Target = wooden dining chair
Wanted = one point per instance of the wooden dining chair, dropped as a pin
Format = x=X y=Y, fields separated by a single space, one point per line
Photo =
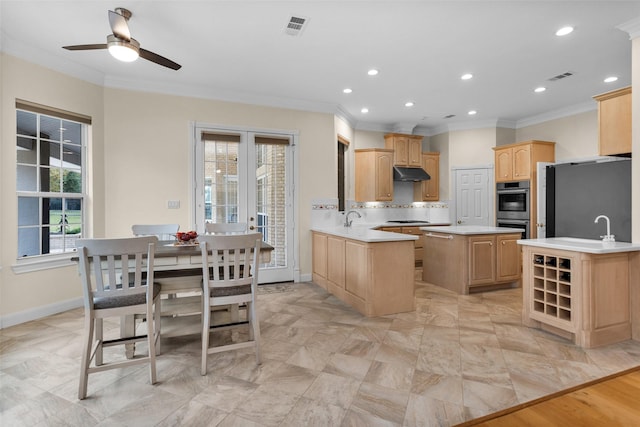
x=230 y=277
x=162 y=231
x=222 y=227
x=103 y=264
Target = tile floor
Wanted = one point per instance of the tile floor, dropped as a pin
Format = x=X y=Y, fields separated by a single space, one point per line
x=453 y=359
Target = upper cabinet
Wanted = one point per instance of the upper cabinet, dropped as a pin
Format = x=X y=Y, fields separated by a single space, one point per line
x=374 y=175
x=614 y=122
x=429 y=190
x=407 y=149
x=517 y=162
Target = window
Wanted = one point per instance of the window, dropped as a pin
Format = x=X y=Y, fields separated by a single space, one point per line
x=49 y=183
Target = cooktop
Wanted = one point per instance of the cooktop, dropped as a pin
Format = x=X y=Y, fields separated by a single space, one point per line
x=407 y=221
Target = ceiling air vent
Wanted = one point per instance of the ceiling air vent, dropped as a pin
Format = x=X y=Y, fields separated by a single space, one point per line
x=449 y=116
x=295 y=25
x=561 y=76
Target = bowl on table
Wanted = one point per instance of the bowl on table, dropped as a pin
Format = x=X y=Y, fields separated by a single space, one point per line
x=186 y=238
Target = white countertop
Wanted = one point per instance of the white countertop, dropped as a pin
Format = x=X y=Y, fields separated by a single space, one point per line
x=365 y=233
x=471 y=229
x=581 y=245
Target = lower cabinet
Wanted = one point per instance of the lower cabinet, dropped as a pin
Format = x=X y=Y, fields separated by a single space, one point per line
x=418 y=244
x=463 y=263
x=580 y=296
x=374 y=278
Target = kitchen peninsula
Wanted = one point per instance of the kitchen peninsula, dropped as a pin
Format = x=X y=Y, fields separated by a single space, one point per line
x=467 y=258
x=371 y=270
x=580 y=289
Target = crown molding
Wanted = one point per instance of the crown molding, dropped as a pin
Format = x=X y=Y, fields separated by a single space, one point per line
x=631 y=27
x=558 y=114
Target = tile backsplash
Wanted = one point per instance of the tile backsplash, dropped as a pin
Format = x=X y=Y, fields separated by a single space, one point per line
x=324 y=212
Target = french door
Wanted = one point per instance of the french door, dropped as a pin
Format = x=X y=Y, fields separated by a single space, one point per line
x=246 y=176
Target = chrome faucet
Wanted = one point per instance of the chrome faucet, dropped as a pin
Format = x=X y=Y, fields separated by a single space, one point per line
x=608 y=237
x=347 y=221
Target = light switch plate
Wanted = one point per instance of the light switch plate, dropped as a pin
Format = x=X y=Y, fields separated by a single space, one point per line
x=173 y=204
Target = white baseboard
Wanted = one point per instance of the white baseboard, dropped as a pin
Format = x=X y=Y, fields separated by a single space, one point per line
x=39 y=312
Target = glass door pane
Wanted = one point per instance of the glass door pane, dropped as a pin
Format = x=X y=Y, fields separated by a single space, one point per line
x=221 y=181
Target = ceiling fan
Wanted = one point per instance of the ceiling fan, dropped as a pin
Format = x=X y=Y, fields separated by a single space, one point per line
x=121 y=45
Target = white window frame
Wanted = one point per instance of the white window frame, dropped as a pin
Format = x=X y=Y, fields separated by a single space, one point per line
x=59 y=259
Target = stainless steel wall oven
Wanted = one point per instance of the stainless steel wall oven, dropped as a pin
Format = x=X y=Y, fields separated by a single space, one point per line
x=513 y=206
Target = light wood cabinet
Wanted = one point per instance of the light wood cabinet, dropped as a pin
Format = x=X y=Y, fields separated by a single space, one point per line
x=374 y=175
x=580 y=296
x=418 y=244
x=429 y=190
x=517 y=162
x=378 y=276
x=407 y=149
x=614 y=122
x=464 y=263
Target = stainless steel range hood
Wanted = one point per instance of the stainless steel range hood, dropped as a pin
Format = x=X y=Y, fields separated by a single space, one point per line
x=409 y=174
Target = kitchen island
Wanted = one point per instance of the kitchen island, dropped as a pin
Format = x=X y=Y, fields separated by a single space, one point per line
x=371 y=270
x=468 y=258
x=581 y=289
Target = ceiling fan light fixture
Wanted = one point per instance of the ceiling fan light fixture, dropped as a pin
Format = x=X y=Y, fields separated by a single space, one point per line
x=122 y=50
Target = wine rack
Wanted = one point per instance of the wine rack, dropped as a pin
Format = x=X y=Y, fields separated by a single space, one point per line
x=552 y=286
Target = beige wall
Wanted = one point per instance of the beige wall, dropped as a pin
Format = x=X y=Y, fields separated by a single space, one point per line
x=471 y=147
x=575 y=136
x=22 y=80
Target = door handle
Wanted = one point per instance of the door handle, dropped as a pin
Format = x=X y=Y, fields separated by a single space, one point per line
x=459 y=221
x=252 y=228
x=251 y=219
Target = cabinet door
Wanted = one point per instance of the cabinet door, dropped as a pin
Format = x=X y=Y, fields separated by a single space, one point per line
x=319 y=254
x=508 y=257
x=384 y=177
x=401 y=150
x=504 y=164
x=614 y=122
x=335 y=260
x=431 y=187
x=521 y=162
x=482 y=260
x=414 y=155
x=356 y=268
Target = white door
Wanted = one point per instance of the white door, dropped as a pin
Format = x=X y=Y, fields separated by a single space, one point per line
x=541 y=200
x=246 y=176
x=474 y=196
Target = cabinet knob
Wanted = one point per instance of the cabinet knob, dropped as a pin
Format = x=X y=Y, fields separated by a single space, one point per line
x=490 y=243
x=503 y=243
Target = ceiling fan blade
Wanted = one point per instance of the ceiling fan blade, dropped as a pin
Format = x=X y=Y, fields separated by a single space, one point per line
x=160 y=60
x=85 y=47
x=119 y=26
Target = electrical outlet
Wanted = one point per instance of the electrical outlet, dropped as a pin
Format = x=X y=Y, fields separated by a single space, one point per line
x=173 y=204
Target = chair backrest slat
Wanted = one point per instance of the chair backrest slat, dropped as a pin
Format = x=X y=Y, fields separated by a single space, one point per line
x=161 y=231
x=117 y=266
x=230 y=260
x=229 y=227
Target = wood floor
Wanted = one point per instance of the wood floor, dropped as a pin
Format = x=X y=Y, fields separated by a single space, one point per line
x=609 y=401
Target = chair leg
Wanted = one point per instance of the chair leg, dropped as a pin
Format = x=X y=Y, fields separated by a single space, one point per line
x=255 y=330
x=151 y=340
x=86 y=355
x=99 y=331
x=156 y=321
x=206 y=321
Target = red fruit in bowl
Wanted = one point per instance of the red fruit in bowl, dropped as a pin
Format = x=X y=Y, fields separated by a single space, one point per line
x=185 y=237
x=192 y=234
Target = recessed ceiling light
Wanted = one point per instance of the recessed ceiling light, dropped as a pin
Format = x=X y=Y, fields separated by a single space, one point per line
x=466 y=76
x=540 y=89
x=409 y=104
x=610 y=79
x=347 y=90
x=372 y=72
x=472 y=112
x=564 y=31
x=364 y=110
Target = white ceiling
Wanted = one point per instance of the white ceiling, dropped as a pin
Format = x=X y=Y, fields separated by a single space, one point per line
x=238 y=51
